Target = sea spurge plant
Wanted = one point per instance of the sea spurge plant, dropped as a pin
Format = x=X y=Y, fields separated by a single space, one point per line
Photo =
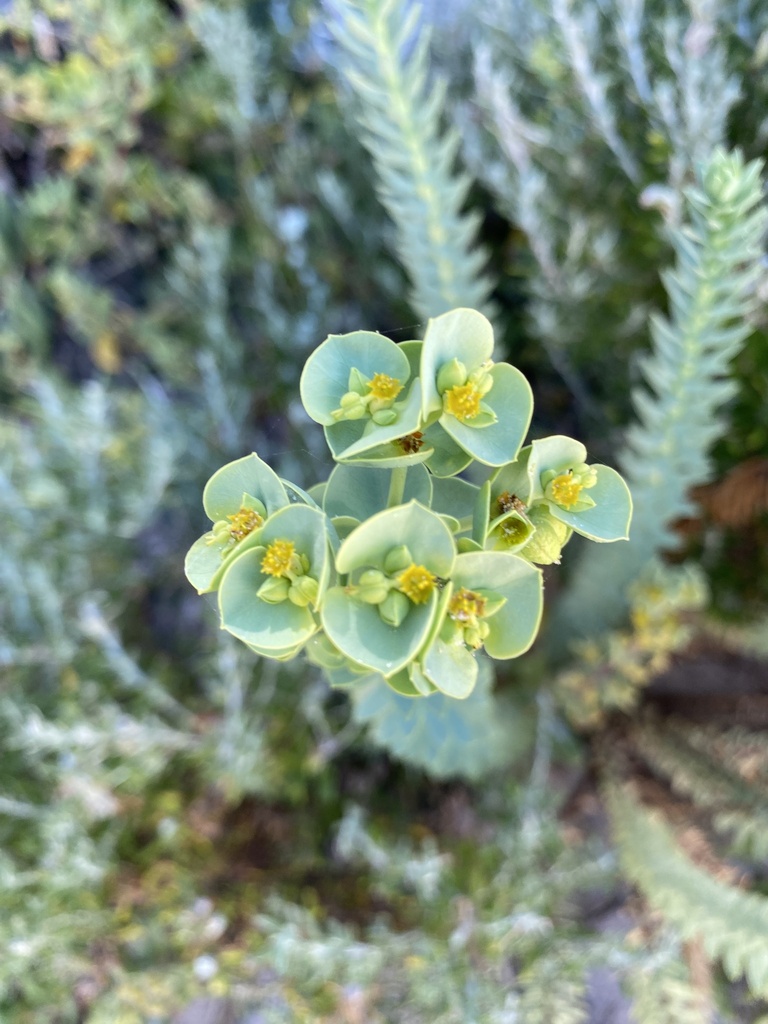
x=397 y=571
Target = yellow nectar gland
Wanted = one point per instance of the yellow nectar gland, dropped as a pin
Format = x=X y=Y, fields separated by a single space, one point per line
x=417 y=583
x=243 y=522
x=278 y=557
x=462 y=401
x=384 y=388
x=466 y=606
x=565 y=490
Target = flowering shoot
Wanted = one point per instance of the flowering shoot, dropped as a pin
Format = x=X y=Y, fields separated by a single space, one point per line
x=395 y=570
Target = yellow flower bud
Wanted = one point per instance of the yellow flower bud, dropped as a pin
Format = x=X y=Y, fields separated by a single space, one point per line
x=280 y=558
x=384 y=388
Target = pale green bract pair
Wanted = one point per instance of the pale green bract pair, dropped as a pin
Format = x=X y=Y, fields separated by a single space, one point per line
x=396 y=567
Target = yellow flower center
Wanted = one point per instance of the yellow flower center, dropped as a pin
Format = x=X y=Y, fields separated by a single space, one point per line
x=243 y=522
x=462 y=401
x=384 y=388
x=565 y=490
x=466 y=605
x=278 y=557
x=417 y=583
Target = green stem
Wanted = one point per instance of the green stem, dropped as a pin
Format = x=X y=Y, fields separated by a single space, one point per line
x=396 y=487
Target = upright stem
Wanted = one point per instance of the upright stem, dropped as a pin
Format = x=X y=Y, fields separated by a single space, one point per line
x=396 y=486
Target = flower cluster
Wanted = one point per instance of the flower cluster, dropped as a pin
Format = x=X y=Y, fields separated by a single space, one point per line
x=397 y=566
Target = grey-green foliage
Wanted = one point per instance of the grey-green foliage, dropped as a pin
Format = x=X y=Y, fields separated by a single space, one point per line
x=238 y=54
x=82 y=472
x=49 y=914
x=664 y=995
x=554 y=992
x=458 y=971
x=611 y=107
x=737 y=806
x=88 y=719
x=91 y=451
x=384 y=57
x=446 y=737
x=284 y=284
x=596 y=71
x=711 y=293
x=731 y=924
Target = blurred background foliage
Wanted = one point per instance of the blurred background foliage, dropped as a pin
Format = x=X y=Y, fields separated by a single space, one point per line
x=187 y=208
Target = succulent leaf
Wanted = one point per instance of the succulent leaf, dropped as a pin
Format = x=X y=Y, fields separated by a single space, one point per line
x=428 y=539
x=358 y=630
x=447 y=458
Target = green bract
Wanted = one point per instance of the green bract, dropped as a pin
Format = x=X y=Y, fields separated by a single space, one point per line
x=484 y=407
x=395 y=572
x=558 y=460
x=496 y=603
x=238 y=499
x=447 y=458
x=359 y=492
x=359 y=387
x=269 y=594
x=383 y=628
x=535 y=503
